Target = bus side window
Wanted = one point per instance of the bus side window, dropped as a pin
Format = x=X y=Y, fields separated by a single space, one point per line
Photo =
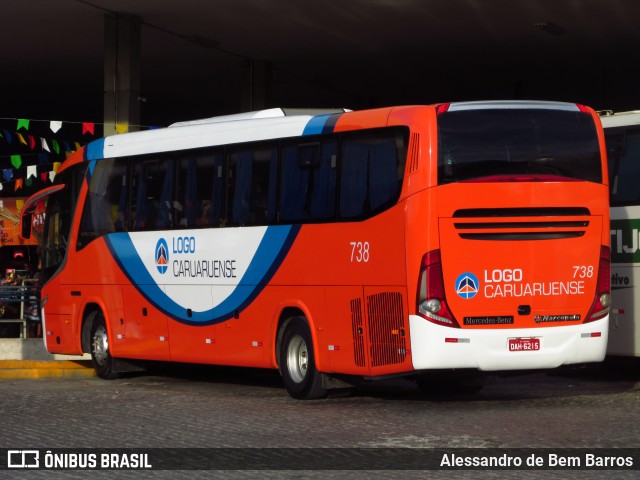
x=151 y=195
x=187 y=196
x=353 y=179
x=369 y=176
x=251 y=185
x=308 y=182
x=213 y=213
x=165 y=204
x=626 y=189
x=324 y=183
x=104 y=205
x=383 y=174
x=199 y=196
x=294 y=185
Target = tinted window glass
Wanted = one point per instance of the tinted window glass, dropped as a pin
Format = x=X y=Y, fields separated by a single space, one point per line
x=624 y=167
x=308 y=181
x=372 y=166
x=199 y=196
x=482 y=143
x=105 y=204
x=151 y=196
x=59 y=213
x=251 y=183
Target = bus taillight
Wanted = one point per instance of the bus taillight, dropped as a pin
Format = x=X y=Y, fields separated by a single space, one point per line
x=442 y=108
x=602 y=302
x=432 y=303
x=582 y=108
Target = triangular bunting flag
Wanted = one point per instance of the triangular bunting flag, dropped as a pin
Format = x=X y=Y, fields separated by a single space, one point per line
x=44 y=145
x=23 y=123
x=7 y=174
x=55 y=125
x=56 y=147
x=32 y=171
x=18 y=185
x=8 y=136
x=52 y=175
x=88 y=128
x=32 y=142
x=56 y=166
x=21 y=138
x=16 y=161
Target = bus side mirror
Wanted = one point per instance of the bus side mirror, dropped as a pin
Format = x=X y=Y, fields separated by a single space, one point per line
x=25 y=225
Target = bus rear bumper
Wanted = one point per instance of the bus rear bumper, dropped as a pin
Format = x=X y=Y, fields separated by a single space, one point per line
x=437 y=347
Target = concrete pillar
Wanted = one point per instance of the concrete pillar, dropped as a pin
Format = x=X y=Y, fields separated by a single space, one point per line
x=256 y=85
x=121 y=73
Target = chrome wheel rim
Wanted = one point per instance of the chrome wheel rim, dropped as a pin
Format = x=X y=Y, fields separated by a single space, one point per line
x=297 y=359
x=100 y=345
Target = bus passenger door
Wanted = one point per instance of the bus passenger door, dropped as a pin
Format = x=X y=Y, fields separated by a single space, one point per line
x=146 y=334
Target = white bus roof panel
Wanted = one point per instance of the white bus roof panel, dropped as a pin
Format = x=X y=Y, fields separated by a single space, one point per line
x=621 y=119
x=198 y=135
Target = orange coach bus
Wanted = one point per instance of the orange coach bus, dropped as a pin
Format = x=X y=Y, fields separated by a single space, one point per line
x=336 y=246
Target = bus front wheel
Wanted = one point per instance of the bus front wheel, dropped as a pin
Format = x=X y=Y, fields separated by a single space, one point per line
x=100 y=355
x=298 y=368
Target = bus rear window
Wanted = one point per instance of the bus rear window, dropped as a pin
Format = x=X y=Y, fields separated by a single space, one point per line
x=492 y=142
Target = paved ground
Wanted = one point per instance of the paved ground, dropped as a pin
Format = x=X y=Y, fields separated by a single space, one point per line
x=226 y=407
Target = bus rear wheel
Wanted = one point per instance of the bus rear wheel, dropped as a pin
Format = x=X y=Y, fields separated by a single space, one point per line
x=298 y=368
x=100 y=355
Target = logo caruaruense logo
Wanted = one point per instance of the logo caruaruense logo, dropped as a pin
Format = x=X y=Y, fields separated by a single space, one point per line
x=467 y=285
x=162 y=255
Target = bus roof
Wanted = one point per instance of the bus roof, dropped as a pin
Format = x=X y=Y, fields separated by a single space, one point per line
x=610 y=119
x=225 y=130
x=269 y=113
x=261 y=125
x=517 y=104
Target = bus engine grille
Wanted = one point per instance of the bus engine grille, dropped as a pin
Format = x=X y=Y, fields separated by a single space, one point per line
x=385 y=329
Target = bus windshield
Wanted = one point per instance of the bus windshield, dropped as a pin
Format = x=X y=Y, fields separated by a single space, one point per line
x=59 y=213
x=489 y=142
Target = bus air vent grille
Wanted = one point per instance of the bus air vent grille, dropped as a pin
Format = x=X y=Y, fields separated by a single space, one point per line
x=386 y=328
x=521 y=223
x=414 y=152
x=358 y=333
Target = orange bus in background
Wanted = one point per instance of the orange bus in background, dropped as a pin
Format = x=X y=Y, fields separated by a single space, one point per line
x=336 y=246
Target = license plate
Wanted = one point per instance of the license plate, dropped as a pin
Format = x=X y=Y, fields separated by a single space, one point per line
x=524 y=344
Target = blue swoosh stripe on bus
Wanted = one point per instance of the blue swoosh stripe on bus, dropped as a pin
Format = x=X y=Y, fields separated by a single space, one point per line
x=95 y=150
x=330 y=125
x=317 y=125
x=270 y=253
